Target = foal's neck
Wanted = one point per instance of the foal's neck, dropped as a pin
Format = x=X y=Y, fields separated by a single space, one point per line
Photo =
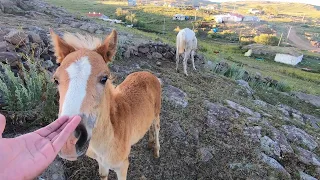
x=103 y=132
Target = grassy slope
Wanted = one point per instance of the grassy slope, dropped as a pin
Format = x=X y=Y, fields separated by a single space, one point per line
x=154 y=17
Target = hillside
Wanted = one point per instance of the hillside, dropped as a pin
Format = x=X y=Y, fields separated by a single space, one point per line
x=214 y=124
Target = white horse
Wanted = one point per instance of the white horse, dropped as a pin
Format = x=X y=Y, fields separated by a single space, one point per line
x=187 y=44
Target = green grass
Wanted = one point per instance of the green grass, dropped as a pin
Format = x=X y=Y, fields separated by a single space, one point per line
x=153 y=18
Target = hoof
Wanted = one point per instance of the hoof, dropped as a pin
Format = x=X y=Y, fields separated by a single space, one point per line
x=156 y=154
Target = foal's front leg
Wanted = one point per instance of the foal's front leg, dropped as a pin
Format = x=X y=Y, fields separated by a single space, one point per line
x=103 y=171
x=122 y=170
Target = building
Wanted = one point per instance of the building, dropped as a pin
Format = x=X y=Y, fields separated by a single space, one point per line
x=250 y=19
x=179 y=17
x=288 y=59
x=231 y=17
x=254 y=11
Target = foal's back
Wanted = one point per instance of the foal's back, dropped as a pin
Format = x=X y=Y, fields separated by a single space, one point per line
x=137 y=104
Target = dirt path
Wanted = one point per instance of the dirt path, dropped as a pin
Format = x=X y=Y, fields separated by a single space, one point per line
x=300 y=42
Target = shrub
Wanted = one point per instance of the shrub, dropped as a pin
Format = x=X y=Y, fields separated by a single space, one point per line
x=266 y=39
x=31 y=95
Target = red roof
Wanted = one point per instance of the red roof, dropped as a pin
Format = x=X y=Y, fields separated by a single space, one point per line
x=94 y=14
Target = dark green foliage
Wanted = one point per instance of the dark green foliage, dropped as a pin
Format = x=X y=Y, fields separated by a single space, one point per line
x=30 y=95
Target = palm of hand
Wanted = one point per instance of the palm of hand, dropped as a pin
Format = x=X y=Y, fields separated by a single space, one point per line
x=28 y=155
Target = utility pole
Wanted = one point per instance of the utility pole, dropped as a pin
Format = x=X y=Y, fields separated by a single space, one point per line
x=289 y=33
x=280 y=39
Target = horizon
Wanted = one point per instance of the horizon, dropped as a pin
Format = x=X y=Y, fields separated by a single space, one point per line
x=312 y=2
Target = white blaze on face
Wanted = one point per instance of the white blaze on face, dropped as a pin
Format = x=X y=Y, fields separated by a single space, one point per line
x=79 y=73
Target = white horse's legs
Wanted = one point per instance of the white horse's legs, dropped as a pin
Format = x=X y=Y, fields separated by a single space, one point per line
x=177 y=61
x=192 y=58
x=186 y=56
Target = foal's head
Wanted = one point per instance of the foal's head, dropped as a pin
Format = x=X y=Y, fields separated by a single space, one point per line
x=81 y=78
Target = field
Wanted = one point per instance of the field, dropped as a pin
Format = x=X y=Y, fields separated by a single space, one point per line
x=214 y=124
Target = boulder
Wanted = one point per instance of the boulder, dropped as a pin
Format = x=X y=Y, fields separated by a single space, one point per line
x=311 y=120
x=281 y=139
x=11 y=57
x=274 y=164
x=304 y=176
x=16 y=37
x=270 y=147
x=55 y=171
x=312 y=99
x=246 y=86
x=242 y=109
x=5 y=46
x=156 y=55
x=204 y=154
x=177 y=131
x=253 y=133
x=307 y=157
x=92 y=29
x=297 y=135
x=84 y=27
x=175 y=95
x=34 y=37
x=221 y=67
x=75 y=24
x=143 y=50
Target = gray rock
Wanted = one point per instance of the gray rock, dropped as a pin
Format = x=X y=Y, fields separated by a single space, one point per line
x=221 y=67
x=75 y=24
x=270 y=147
x=300 y=136
x=274 y=164
x=16 y=37
x=307 y=157
x=99 y=31
x=175 y=95
x=168 y=55
x=5 y=46
x=35 y=38
x=258 y=76
x=47 y=64
x=156 y=55
x=242 y=109
x=11 y=57
x=253 y=133
x=204 y=154
x=55 y=171
x=312 y=99
x=84 y=27
x=143 y=50
x=304 y=176
x=91 y=29
x=246 y=86
x=158 y=63
x=177 y=131
x=311 y=120
x=209 y=65
x=281 y=139
x=260 y=103
x=218 y=116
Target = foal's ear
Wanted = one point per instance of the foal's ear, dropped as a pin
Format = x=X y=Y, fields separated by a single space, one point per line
x=61 y=48
x=109 y=47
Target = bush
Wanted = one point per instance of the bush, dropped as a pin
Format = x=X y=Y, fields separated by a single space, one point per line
x=267 y=39
x=31 y=95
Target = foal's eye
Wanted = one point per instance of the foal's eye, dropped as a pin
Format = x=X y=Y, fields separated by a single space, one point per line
x=56 y=81
x=104 y=79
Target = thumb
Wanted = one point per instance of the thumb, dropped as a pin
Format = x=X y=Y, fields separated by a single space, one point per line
x=2 y=124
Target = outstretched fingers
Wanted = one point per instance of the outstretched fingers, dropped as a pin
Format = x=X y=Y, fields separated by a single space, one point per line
x=45 y=131
x=65 y=133
x=2 y=124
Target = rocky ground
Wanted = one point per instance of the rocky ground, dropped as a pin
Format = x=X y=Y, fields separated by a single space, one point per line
x=211 y=127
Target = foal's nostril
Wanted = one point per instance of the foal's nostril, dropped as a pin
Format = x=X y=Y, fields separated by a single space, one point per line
x=81 y=134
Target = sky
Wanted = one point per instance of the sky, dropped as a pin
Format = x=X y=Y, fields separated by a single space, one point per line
x=313 y=2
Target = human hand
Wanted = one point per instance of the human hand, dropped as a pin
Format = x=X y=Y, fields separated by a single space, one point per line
x=27 y=156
